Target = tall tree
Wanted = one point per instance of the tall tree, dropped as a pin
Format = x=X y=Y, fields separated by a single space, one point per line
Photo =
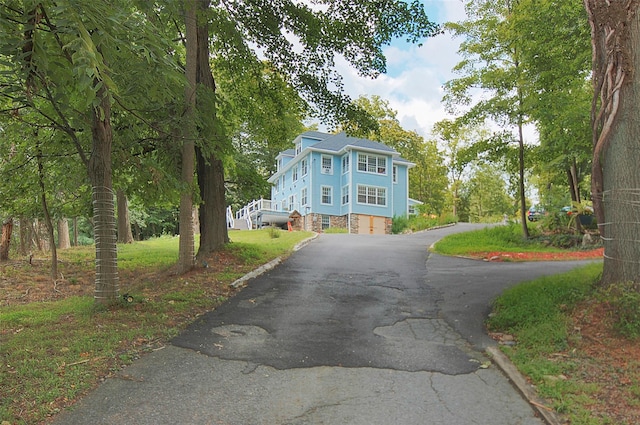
x=186 y=254
x=556 y=53
x=492 y=62
x=210 y=167
x=60 y=56
x=615 y=29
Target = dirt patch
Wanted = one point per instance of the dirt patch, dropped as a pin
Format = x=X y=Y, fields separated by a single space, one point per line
x=501 y=256
x=605 y=358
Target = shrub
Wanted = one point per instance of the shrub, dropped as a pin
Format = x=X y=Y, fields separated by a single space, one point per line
x=399 y=224
x=274 y=232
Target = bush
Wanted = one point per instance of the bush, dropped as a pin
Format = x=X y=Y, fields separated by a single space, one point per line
x=399 y=224
x=274 y=232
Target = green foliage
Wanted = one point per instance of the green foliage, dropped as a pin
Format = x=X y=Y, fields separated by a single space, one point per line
x=536 y=314
x=624 y=299
x=274 y=232
x=399 y=224
x=422 y=221
x=335 y=230
x=495 y=238
x=541 y=303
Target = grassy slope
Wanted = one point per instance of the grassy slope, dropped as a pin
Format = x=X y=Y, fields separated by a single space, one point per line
x=52 y=352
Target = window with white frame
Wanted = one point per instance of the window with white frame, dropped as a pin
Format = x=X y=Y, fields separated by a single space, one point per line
x=395 y=174
x=304 y=165
x=345 y=195
x=327 y=195
x=298 y=148
x=283 y=186
x=284 y=205
x=372 y=195
x=303 y=196
x=326 y=222
x=294 y=173
x=277 y=185
x=345 y=164
x=292 y=202
x=372 y=163
x=327 y=164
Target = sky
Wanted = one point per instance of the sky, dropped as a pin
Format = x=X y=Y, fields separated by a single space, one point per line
x=415 y=74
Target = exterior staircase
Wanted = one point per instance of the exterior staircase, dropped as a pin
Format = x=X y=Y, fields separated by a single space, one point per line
x=255 y=215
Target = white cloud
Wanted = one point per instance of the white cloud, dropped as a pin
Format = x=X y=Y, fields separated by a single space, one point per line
x=415 y=74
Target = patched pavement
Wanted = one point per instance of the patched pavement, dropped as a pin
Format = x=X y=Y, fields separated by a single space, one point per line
x=349 y=330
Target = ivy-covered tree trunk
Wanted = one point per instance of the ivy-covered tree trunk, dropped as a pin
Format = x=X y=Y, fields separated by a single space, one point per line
x=104 y=224
x=616 y=125
x=213 y=223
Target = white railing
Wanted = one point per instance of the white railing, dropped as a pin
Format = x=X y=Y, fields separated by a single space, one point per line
x=250 y=211
x=230 y=221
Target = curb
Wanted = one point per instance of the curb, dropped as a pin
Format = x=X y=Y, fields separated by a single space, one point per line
x=270 y=265
x=526 y=389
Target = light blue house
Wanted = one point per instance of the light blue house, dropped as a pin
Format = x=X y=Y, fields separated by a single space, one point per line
x=334 y=180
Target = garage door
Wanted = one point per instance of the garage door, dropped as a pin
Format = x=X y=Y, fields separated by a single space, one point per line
x=371 y=225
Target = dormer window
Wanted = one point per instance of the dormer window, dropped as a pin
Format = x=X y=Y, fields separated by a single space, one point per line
x=298 y=148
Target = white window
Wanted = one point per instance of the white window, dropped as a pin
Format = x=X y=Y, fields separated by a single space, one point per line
x=284 y=205
x=327 y=195
x=372 y=163
x=327 y=164
x=292 y=202
x=295 y=173
x=303 y=196
x=278 y=185
x=395 y=174
x=298 y=148
x=304 y=164
x=372 y=195
x=283 y=181
x=345 y=164
x=326 y=222
x=345 y=195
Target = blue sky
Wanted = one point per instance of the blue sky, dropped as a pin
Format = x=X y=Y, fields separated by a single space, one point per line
x=415 y=75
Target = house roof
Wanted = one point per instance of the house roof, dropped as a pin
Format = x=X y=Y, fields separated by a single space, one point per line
x=337 y=142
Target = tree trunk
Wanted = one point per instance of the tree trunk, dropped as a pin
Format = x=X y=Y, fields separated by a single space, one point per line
x=64 y=242
x=616 y=125
x=104 y=226
x=186 y=252
x=25 y=236
x=213 y=223
x=5 y=241
x=574 y=192
x=125 y=235
x=523 y=203
x=75 y=231
x=47 y=216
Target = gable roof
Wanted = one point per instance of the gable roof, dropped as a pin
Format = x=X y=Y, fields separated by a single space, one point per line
x=338 y=142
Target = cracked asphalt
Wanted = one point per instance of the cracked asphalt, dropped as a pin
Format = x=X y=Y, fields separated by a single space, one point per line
x=348 y=330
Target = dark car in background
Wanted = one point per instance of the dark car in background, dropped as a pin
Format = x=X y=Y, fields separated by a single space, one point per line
x=535 y=213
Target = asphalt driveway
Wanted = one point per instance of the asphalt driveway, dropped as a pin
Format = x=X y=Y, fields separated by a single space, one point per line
x=348 y=330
